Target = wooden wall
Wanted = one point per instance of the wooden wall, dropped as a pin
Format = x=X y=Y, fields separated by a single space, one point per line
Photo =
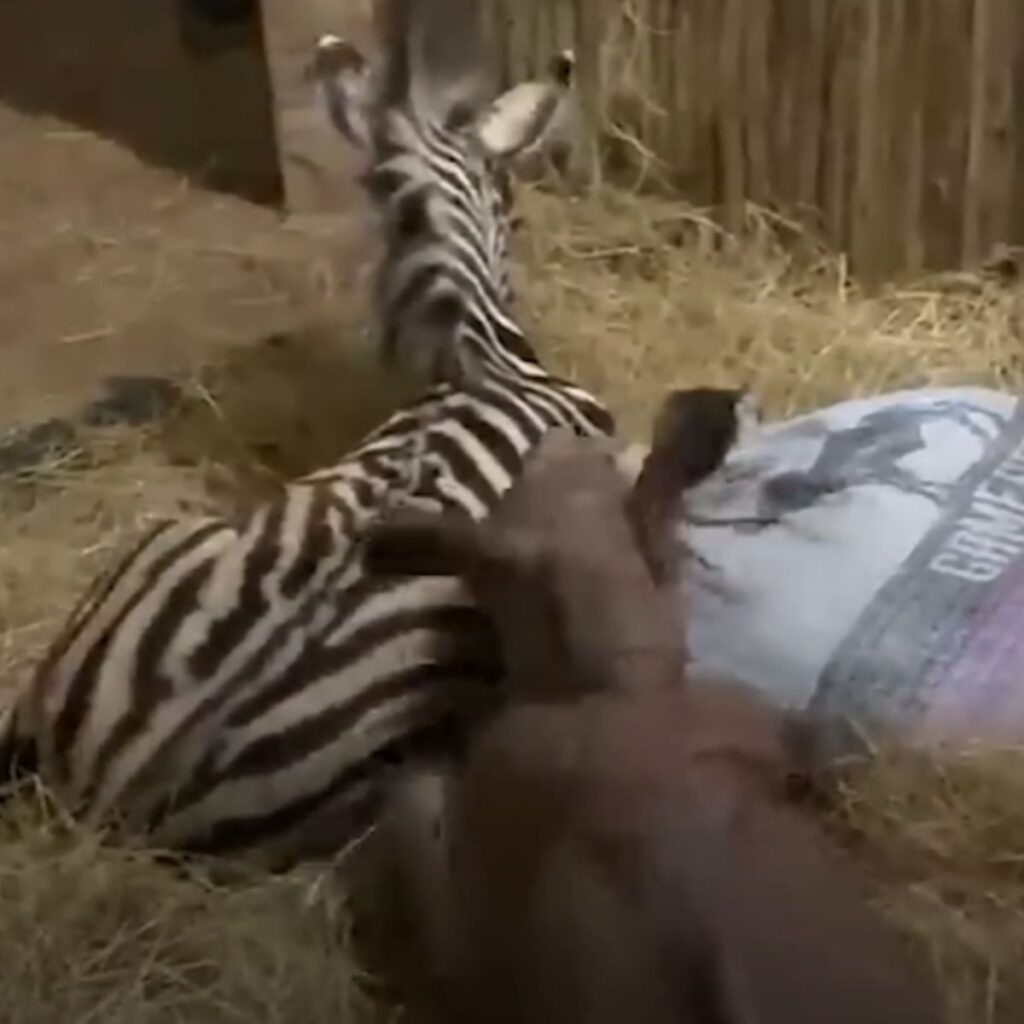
x=893 y=126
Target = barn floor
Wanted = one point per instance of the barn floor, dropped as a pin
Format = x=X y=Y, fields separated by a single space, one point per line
x=115 y=255
x=118 y=258
x=110 y=266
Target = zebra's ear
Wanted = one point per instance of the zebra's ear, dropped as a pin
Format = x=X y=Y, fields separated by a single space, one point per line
x=342 y=76
x=529 y=115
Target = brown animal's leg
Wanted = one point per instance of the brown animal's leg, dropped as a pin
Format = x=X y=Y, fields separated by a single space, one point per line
x=594 y=959
x=414 y=847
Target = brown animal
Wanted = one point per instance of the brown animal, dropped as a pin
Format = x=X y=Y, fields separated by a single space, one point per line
x=621 y=845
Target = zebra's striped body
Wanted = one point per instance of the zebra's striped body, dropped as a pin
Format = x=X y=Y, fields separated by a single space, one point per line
x=244 y=689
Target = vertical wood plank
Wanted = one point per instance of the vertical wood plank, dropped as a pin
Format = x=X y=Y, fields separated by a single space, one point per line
x=866 y=183
x=838 y=133
x=811 y=103
x=895 y=93
x=1015 y=229
x=589 y=44
x=682 y=129
x=665 y=55
x=998 y=198
x=944 y=134
x=730 y=118
x=915 y=170
x=756 y=86
x=792 y=40
x=703 y=178
x=784 y=41
x=974 y=174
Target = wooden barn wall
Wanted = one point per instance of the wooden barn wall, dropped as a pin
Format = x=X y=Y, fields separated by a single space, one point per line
x=892 y=126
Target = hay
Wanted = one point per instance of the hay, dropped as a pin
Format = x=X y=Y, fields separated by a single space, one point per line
x=97 y=934
x=631 y=297
x=943 y=839
x=847 y=114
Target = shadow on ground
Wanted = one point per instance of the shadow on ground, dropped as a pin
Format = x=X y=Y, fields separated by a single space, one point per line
x=267 y=413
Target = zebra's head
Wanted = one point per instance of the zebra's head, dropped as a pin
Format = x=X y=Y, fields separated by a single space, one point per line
x=438 y=151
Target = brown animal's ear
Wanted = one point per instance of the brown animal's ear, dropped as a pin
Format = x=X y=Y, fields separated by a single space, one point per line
x=693 y=432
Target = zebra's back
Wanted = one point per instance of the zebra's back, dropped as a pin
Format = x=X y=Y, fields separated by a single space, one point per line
x=248 y=688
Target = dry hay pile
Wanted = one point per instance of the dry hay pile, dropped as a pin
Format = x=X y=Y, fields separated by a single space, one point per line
x=944 y=841
x=97 y=934
x=631 y=297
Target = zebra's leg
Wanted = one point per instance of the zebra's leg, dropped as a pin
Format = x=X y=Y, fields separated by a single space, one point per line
x=19 y=754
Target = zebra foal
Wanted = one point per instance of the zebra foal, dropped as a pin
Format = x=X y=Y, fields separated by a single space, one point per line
x=247 y=688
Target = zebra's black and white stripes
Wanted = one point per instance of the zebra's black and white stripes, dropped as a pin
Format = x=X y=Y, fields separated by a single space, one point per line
x=237 y=688
x=437 y=169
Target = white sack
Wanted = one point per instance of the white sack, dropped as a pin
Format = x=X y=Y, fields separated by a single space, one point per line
x=886 y=582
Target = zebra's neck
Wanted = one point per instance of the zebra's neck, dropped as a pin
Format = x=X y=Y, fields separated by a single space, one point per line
x=445 y=299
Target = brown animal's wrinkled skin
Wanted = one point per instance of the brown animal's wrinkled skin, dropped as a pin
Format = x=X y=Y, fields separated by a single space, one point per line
x=629 y=853
x=620 y=845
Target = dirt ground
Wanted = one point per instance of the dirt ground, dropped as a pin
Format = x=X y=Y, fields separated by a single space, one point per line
x=138 y=233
